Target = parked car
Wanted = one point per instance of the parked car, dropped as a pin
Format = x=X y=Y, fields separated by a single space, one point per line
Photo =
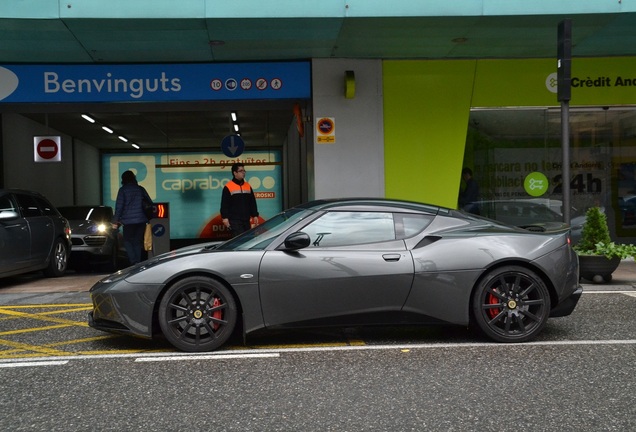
x=33 y=235
x=347 y=262
x=94 y=239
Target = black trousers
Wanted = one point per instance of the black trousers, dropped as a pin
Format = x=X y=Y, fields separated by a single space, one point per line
x=238 y=226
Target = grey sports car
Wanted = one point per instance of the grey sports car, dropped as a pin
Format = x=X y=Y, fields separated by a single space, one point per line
x=347 y=262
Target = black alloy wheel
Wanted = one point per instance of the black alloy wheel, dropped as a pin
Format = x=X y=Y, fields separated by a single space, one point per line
x=197 y=314
x=58 y=261
x=511 y=304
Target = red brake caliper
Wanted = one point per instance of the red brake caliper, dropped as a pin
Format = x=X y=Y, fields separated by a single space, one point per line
x=491 y=299
x=216 y=314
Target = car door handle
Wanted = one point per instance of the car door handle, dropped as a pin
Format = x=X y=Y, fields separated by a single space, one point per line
x=391 y=257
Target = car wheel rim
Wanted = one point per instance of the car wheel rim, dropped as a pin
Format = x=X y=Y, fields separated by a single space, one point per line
x=196 y=315
x=513 y=305
x=60 y=257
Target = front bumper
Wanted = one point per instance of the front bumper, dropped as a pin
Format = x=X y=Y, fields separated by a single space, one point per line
x=121 y=307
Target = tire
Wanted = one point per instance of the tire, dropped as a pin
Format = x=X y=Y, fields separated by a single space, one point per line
x=516 y=313
x=197 y=314
x=58 y=261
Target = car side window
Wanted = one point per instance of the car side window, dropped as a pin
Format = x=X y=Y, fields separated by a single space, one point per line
x=7 y=204
x=46 y=207
x=407 y=224
x=28 y=206
x=344 y=228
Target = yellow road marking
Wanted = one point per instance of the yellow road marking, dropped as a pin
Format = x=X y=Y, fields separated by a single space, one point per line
x=5 y=311
x=89 y=339
x=30 y=330
x=23 y=350
x=45 y=306
x=36 y=348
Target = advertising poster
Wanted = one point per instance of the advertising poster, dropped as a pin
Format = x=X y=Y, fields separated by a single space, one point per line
x=192 y=182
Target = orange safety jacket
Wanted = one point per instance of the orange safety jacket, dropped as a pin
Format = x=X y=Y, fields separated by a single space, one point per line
x=238 y=201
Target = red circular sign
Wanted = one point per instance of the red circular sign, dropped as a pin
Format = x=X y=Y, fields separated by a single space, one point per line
x=325 y=126
x=47 y=149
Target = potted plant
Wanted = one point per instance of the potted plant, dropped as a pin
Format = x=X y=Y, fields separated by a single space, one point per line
x=598 y=255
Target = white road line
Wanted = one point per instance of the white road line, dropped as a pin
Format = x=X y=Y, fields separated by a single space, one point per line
x=33 y=363
x=629 y=293
x=205 y=357
x=275 y=352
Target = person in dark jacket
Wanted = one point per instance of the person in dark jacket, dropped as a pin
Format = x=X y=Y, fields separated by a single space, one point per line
x=470 y=195
x=238 y=203
x=130 y=212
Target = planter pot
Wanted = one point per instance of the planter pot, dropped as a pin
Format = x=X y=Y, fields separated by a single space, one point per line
x=597 y=268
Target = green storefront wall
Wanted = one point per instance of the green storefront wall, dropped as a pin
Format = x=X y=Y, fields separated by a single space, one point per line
x=427 y=106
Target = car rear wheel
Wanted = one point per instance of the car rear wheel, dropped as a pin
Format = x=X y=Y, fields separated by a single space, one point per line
x=197 y=314
x=58 y=261
x=511 y=304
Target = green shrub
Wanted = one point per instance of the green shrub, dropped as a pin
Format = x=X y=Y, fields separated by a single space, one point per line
x=595 y=238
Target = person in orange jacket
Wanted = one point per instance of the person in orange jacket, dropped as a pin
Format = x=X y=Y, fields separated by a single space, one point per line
x=238 y=203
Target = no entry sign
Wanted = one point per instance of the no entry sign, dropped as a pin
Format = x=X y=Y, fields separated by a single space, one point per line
x=47 y=149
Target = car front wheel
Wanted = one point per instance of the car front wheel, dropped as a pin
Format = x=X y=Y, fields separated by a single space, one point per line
x=197 y=314
x=511 y=304
x=58 y=261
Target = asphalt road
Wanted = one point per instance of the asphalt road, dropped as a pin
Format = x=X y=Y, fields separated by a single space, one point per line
x=58 y=375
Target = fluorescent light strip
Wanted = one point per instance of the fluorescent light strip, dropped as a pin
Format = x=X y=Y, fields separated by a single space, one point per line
x=107 y=129
x=123 y=138
x=88 y=118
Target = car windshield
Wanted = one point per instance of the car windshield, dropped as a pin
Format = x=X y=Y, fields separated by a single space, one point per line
x=260 y=237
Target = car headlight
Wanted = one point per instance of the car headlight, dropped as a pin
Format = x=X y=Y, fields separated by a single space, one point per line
x=101 y=228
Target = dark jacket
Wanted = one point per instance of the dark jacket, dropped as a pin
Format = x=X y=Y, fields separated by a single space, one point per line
x=238 y=201
x=129 y=204
x=469 y=196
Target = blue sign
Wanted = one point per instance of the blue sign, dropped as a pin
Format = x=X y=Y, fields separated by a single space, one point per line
x=232 y=146
x=154 y=82
x=158 y=230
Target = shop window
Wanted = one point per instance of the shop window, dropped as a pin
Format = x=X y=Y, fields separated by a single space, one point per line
x=504 y=146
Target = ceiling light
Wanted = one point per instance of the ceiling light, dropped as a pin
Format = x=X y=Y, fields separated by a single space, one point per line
x=233 y=116
x=88 y=118
x=123 y=138
x=236 y=128
x=107 y=129
x=135 y=146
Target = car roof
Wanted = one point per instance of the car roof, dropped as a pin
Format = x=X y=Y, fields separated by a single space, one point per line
x=21 y=191
x=369 y=204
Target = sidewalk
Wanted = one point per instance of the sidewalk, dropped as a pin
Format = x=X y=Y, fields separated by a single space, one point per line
x=32 y=283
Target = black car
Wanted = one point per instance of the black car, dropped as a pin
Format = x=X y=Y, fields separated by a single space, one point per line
x=33 y=234
x=94 y=239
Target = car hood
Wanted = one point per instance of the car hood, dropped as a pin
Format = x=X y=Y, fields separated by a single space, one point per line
x=84 y=226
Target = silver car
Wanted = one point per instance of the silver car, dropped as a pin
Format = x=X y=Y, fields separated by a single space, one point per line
x=94 y=239
x=33 y=235
x=347 y=262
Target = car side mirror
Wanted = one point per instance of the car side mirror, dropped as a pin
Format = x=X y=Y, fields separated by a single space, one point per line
x=297 y=240
x=8 y=215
